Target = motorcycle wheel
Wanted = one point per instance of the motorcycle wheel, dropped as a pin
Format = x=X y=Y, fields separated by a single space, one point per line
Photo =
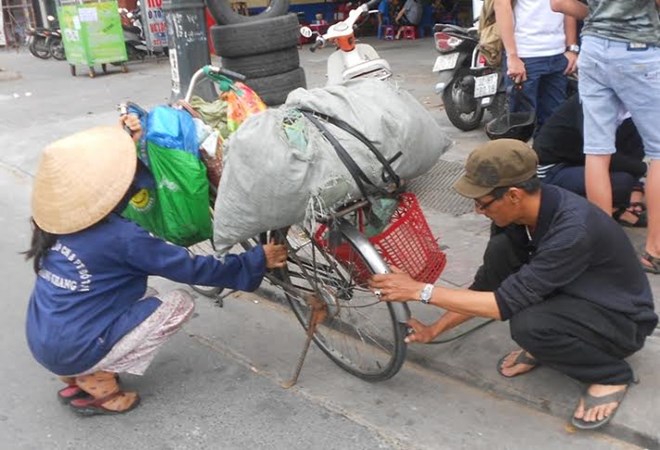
x=57 y=50
x=39 y=49
x=461 y=107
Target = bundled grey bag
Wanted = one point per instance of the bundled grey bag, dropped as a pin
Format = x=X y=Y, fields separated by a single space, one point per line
x=279 y=169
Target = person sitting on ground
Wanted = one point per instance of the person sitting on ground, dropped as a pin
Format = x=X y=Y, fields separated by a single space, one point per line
x=559 y=146
x=409 y=15
x=90 y=314
x=558 y=268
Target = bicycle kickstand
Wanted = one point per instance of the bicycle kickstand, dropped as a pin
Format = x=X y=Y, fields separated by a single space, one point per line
x=319 y=311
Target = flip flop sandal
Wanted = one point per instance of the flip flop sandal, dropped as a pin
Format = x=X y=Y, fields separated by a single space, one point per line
x=70 y=393
x=653 y=265
x=639 y=207
x=591 y=402
x=522 y=358
x=642 y=221
x=91 y=406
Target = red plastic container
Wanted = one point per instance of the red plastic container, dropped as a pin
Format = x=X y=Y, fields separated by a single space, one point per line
x=407 y=243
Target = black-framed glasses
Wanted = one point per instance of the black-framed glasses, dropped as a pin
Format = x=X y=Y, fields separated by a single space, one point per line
x=484 y=206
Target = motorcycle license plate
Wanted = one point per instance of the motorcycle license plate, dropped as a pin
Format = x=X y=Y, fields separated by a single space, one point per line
x=445 y=62
x=486 y=85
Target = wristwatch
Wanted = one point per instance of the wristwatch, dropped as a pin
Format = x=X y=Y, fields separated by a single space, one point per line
x=573 y=48
x=425 y=295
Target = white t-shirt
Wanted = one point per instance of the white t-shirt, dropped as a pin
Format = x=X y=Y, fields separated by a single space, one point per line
x=538 y=30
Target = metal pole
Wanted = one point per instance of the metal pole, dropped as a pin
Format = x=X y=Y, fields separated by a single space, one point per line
x=188 y=46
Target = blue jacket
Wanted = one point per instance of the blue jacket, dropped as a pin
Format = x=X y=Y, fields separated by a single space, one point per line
x=87 y=294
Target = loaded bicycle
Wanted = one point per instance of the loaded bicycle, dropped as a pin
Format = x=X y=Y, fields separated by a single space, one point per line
x=330 y=259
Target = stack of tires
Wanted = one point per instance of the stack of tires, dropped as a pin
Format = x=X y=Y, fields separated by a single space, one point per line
x=264 y=48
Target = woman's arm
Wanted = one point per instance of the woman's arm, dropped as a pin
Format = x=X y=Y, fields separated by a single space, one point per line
x=572 y=8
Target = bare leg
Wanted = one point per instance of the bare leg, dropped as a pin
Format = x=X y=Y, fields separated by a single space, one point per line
x=653 y=208
x=597 y=181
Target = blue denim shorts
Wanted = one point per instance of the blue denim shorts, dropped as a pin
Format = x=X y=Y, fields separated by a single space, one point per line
x=614 y=78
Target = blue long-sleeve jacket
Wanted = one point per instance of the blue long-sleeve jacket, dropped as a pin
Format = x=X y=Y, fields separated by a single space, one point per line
x=87 y=294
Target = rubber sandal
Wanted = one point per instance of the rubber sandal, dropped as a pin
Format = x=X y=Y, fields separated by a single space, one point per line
x=91 y=406
x=522 y=358
x=638 y=207
x=653 y=265
x=70 y=393
x=591 y=402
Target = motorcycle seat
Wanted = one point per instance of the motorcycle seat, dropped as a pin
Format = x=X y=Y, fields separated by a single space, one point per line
x=132 y=29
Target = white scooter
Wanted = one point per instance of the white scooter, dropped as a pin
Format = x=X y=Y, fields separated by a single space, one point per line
x=351 y=60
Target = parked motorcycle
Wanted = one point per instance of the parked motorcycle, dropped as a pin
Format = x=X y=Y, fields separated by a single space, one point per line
x=351 y=60
x=136 y=43
x=468 y=85
x=55 y=45
x=38 y=42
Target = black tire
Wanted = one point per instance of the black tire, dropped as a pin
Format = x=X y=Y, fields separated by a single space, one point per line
x=39 y=48
x=360 y=334
x=224 y=15
x=57 y=50
x=256 y=37
x=204 y=248
x=265 y=64
x=274 y=89
x=460 y=105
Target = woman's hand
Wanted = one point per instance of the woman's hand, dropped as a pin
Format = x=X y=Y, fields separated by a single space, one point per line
x=132 y=122
x=397 y=286
x=275 y=255
x=571 y=67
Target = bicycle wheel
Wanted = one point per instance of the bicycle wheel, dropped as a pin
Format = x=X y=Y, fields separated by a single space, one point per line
x=204 y=248
x=359 y=333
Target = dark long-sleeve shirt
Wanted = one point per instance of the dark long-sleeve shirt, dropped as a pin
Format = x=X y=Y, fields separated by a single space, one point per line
x=577 y=249
x=87 y=294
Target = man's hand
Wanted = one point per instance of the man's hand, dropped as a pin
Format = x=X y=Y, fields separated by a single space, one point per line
x=275 y=255
x=420 y=332
x=132 y=122
x=571 y=67
x=516 y=69
x=397 y=286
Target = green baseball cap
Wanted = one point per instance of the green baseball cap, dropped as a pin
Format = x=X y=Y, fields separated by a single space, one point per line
x=498 y=163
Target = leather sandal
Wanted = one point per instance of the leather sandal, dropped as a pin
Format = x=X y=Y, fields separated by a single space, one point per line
x=94 y=406
x=650 y=263
x=641 y=222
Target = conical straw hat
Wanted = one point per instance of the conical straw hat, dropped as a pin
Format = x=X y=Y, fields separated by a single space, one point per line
x=82 y=178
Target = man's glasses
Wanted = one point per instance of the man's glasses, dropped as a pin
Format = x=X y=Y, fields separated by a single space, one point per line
x=484 y=206
x=497 y=193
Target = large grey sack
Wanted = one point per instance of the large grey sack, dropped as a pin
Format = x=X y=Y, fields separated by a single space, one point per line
x=279 y=169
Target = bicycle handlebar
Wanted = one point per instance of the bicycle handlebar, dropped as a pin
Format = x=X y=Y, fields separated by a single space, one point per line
x=226 y=72
x=320 y=42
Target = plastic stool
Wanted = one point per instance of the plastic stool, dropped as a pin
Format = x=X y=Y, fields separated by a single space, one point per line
x=388 y=32
x=409 y=32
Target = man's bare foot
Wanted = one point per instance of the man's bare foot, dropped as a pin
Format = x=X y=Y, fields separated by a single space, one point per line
x=516 y=363
x=598 y=405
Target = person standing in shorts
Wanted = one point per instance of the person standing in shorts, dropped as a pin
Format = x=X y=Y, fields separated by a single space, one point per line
x=619 y=66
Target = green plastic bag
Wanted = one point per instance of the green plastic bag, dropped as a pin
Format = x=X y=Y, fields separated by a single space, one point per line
x=177 y=209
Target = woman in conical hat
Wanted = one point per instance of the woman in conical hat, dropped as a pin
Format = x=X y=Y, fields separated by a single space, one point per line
x=91 y=315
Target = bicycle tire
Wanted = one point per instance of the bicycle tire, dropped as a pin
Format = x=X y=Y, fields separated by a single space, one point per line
x=363 y=337
x=204 y=248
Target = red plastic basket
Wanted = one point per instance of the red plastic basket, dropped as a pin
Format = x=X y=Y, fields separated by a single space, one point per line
x=407 y=243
